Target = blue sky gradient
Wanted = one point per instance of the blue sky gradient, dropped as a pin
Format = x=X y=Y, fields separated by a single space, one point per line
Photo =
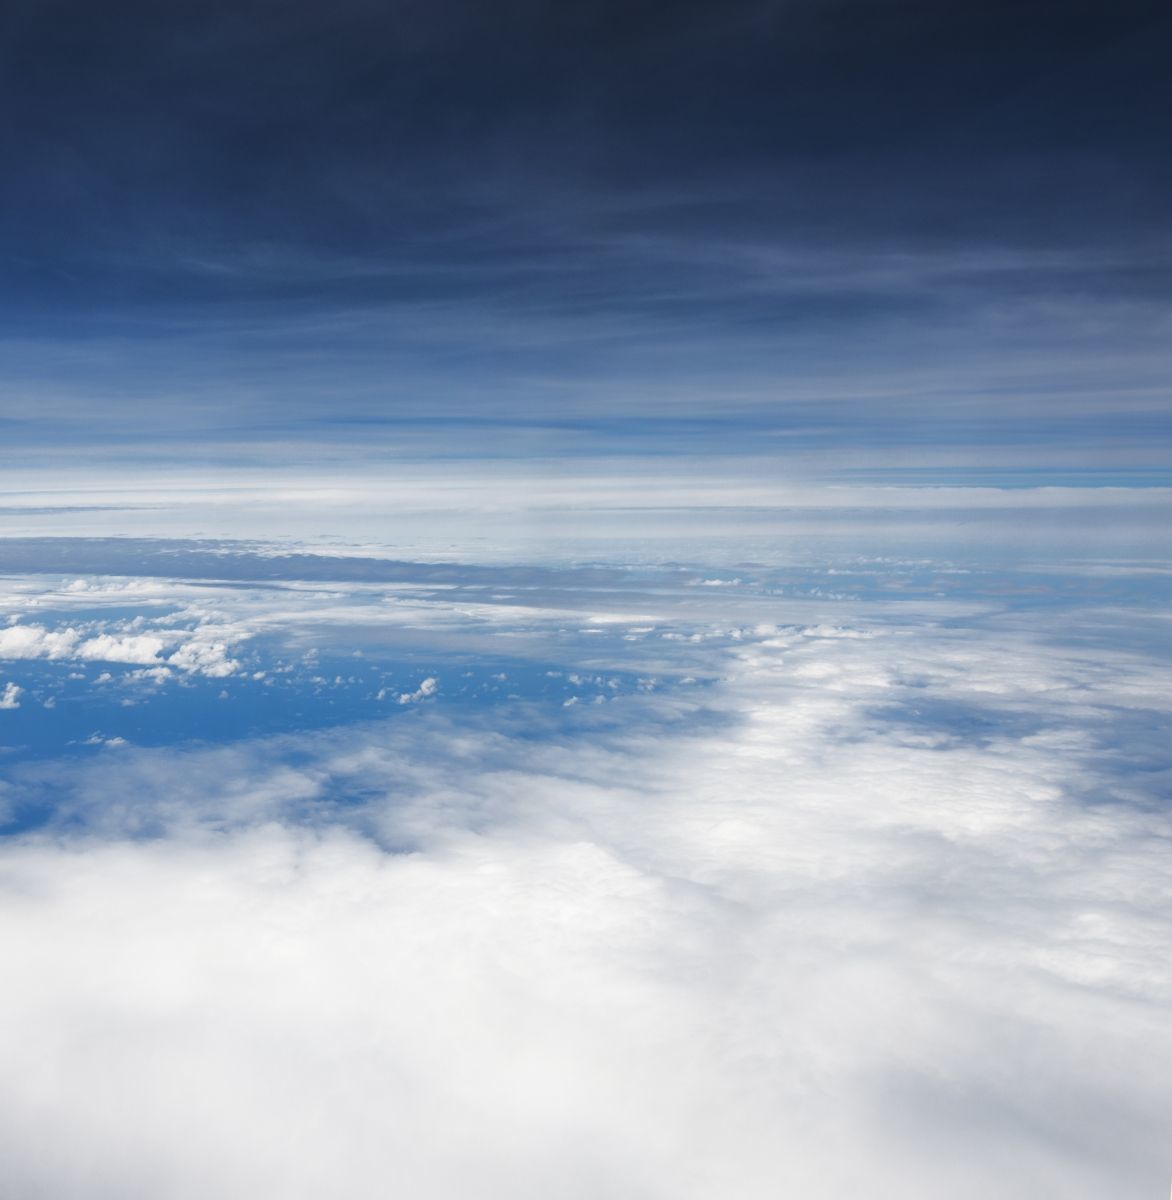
x=249 y=233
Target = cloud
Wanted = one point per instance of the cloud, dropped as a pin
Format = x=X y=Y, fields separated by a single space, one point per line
x=200 y=651
x=885 y=886
x=207 y=657
x=140 y=648
x=35 y=641
x=427 y=688
x=10 y=698
x=97 y=739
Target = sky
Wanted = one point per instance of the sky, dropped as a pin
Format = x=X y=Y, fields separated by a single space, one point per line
x=584 y=600
x=258 y=233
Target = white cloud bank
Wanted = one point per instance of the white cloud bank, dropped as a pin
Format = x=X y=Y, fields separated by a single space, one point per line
x=801 y=945
x=198 y=650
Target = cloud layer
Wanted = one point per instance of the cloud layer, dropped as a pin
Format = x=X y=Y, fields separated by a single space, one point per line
x=879 y=912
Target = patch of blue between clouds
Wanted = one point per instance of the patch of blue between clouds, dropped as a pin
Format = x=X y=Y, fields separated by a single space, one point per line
x=508 y=649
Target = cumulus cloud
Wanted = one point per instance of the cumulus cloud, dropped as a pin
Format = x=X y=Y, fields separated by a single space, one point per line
x=97 y=739
x=199 y=651
x=138 y=648
x=35 y=641
x=207 y=657
x=877 y=914
x=10 y=697
x=426 y=688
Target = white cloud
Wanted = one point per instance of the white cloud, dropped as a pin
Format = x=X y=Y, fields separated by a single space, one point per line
x=35 y=641
x=137 y=648
x=152 y=674
x=806 y=935
x=10 y=697
x=426 y=688
x=811 y=930
x=203 y=650
x=207 y=657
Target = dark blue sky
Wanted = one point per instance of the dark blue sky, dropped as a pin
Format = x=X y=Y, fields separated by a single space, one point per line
x=653 y=224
